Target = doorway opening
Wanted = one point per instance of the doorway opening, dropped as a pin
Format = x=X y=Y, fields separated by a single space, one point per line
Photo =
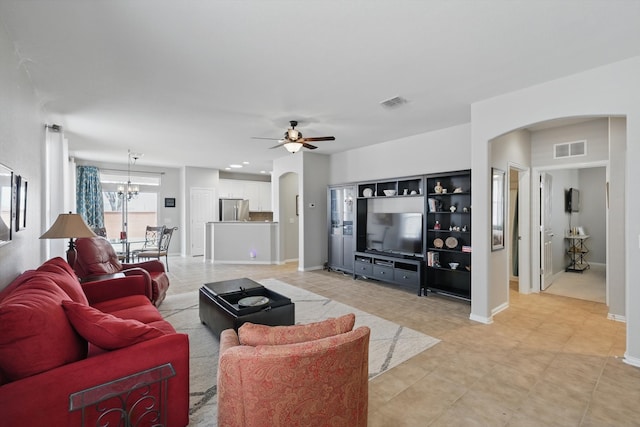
x=578 y=233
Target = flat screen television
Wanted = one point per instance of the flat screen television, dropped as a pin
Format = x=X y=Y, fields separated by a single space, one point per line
x=573 y=200
x=395 y=233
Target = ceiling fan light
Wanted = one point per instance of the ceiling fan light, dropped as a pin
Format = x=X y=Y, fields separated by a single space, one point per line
x=293 y=147
x=293 y=135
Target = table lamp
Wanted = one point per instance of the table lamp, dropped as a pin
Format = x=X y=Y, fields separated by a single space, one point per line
x=69 y=226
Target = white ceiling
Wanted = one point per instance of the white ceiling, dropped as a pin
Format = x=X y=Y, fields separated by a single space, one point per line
x=190 y=82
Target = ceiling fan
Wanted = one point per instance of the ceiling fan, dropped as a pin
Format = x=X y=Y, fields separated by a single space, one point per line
x=293 y=140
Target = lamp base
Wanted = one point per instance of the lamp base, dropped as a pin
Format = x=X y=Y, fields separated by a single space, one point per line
x=72 y=254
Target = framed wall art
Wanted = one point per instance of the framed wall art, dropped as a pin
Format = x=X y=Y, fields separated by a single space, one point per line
x=497 y=208
x=21 y=202
x=7 y=204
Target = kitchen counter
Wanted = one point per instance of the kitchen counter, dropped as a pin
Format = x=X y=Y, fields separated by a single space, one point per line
x=241 y=242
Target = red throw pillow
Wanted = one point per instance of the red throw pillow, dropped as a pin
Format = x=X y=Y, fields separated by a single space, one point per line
x=106 y=330
x=35 y=335
x=254 y=335
x=63 y=275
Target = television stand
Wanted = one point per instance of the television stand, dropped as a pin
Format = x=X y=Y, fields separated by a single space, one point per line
x=390 y=268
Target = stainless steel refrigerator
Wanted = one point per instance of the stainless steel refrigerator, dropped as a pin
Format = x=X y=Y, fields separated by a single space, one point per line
x=234 y=210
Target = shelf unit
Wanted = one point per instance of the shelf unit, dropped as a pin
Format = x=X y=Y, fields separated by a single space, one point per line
x=403 y=187
x=577 y=251
x=448 y=233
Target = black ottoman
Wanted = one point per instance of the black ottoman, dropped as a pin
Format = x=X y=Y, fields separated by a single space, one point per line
x=219 y=308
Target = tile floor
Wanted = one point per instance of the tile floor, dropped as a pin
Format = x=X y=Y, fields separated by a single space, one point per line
x=546 y=360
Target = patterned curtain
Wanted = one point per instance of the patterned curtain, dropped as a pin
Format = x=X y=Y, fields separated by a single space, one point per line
x=89 y=196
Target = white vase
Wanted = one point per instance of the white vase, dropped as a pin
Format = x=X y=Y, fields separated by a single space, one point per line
x=438 y=187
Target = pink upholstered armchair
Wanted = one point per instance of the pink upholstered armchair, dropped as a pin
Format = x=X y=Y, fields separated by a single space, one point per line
x=301 y=375
x=97 y=258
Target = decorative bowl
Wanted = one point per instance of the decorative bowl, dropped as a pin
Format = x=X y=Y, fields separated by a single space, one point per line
x=451 y=242
x=454 y=265
x=389 y=192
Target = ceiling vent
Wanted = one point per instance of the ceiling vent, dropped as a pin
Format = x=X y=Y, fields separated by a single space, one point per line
x=394 y=102
x=570 y=149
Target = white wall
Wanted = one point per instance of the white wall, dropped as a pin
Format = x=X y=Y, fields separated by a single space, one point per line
x=611 y=90
x=616 y=227
x=439 y=151
x=506 y=150
x=595 y=132
x=289 y=221
x=21 y=149
x=562 y=180
x=313 y=205
x=593 y=213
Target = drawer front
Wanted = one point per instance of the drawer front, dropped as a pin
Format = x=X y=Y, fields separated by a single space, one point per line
x=382 y=272
x=406 y=277
x=363 y=268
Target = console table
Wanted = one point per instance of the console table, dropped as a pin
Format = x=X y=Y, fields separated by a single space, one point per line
x=400 y=271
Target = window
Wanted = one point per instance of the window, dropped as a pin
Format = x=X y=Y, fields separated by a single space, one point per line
x=142 y=207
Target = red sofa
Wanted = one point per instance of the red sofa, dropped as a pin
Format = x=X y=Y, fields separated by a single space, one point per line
x=58 y=337
x=97 y=258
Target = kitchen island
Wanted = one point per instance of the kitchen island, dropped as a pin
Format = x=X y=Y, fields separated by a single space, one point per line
x=241 y=242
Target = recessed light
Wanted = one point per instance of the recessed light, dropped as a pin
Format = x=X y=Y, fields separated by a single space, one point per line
x=245 y=163
x=236 y=166
x=227 y=169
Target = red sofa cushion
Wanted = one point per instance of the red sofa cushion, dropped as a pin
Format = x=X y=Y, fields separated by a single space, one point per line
x=254 y=335
x=135 y=307
x=35 y=335
x=106 y=330
x=61 y=272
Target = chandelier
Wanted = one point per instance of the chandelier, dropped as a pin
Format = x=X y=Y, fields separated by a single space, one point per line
x=129 y=191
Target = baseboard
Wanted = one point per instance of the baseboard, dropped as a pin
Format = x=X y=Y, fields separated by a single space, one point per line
x=317 y=267
x=499 y=308
x=617 y=317
x=481 y=319
x=246 y=262
x=633 y=361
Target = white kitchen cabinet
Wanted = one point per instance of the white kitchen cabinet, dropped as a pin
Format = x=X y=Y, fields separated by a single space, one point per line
x=257 y=192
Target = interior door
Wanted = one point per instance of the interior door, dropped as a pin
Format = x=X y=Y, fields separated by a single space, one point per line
x=546 y=237
x=202 y=210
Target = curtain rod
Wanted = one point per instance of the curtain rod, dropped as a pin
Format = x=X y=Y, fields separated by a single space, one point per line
x=126 y=171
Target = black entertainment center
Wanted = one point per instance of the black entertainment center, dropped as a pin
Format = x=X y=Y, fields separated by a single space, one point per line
x=414 y=232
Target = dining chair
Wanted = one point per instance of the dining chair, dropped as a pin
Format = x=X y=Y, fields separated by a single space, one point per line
x=161 y=249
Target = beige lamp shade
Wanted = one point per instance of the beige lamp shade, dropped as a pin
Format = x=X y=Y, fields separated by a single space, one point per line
x=69 y=226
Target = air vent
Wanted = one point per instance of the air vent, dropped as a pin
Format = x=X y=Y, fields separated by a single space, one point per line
x=394 y=102
x=570 y=149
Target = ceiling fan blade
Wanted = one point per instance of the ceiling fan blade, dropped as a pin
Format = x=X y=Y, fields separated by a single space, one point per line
x=271 y=139
x=309 y=146
x=276 y=146
x=321 y=138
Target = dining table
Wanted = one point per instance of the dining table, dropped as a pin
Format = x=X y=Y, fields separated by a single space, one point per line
x=126 y=248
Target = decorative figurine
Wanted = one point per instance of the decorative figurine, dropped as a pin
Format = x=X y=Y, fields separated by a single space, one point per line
x=438 y=188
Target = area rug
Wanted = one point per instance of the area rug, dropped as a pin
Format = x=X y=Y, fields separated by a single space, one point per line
x=390 y=343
